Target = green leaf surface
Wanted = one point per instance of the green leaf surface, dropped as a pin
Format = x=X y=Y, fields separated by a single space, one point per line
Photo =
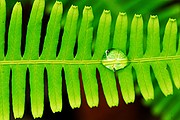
x=69 y=35
x=49 y=52
x=125 y=76
x=18 y=90
x=170 y=37
x=14 y=33
x=55 y=87
x=14 y=53
x=84 y=44
x=36 y=82
x=34 y=30
x=136 y=51
x=153 y=38
x=52 y=33
x=126 y=84
x=32 y=52
x=66 y=52
x=120 y=32
x=4 y=93
x=169 y=49
x=2 y=27
x=107 y=77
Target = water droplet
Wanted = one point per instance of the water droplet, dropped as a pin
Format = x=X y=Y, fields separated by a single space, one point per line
x=114 y=59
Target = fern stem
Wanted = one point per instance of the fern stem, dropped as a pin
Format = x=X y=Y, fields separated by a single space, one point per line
x=88 y=62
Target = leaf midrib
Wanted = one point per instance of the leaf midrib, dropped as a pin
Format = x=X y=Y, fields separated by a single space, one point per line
x=87 y=62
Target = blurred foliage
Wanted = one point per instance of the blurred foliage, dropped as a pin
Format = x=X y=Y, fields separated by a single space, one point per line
x=167 y=107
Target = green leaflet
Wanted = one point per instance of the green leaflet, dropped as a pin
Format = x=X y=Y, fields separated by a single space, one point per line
x=88 y=71
x=2 y=27
x=124 y=76
x=107 y=77
x=66 y=52
x=169 y=49
x=14 y=53
x=170 y=37
x=163 y=63
x=4 y=70
x=4 y=90
x=142 y=70
x=32 y=52
x=49 y=52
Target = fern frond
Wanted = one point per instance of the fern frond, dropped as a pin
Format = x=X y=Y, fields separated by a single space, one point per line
x=83 y=62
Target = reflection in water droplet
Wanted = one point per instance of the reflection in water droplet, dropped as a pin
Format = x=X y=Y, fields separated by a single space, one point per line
x=114 y=59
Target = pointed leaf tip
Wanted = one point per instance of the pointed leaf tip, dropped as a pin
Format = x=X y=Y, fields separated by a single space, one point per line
x=138 y=15
x=87 y=7
x=172 y=20
x=153 y=16
x=74 y=7
x=18 y=3
x=58 y=2
x=122 y=13
x=107 y=11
